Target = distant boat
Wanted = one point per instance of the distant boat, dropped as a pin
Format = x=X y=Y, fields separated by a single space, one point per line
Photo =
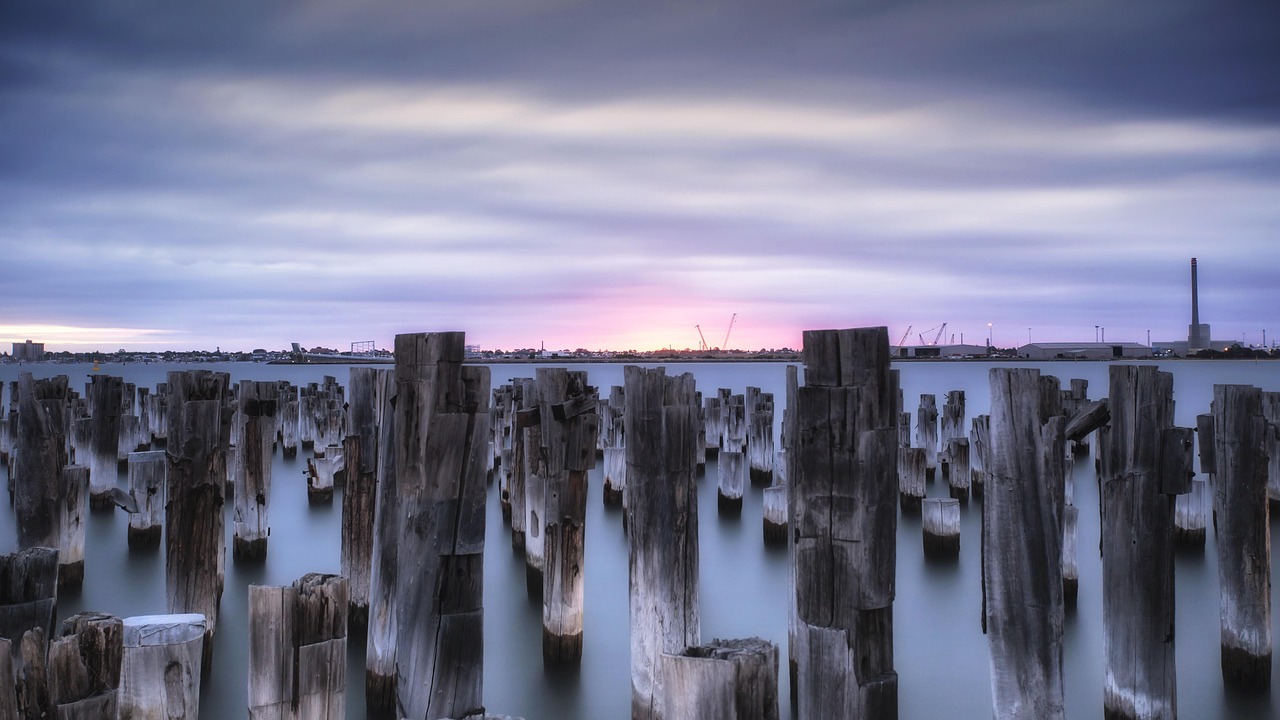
x=95 y=366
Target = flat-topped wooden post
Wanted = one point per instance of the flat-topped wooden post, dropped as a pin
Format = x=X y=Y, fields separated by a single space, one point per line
x=723 y=680
x=147 y=484
x=50 y=502
x=255 y=433
x=615 y=445
x=160 y=666
x=959 y=479
x=298 y=649
x=567 y=408
x=662 y=508
x=1190 y=515
x=951 y=425
x=844 y=512
x=441 y=419
x=28 y=592
x=1022 y=545
x=927 y=432
x=380 y=649
x=535 y=486
x=732 y=463
x=979 y=454
x=104 y=395
x=1145 y=467
x=760 y=445
x=1243 y=531
x=941 y=527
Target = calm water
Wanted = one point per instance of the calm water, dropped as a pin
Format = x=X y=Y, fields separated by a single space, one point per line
x=941 y=654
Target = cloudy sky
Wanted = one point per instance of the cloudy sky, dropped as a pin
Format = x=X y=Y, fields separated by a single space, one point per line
x=609 y=174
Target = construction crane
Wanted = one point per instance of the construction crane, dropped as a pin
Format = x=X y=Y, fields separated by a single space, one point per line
x=702 y=340
x=903 y=341
x=725 y=346
x=941 y=329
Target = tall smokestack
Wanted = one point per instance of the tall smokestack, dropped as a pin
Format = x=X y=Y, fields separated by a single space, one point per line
x=1195 y=297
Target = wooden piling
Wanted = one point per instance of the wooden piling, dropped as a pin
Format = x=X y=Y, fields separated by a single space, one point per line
x=28 y=592
x=521 y=419
x=535 y=486
x=570 y=425
x=72 y=507
x=195 y=544
x=1271 y=444
x=911 y=471
x=321 y=470
x=615 y=445
x=1022 y=545
x=662 y=509
x=844 y=519
x=441 y=417
x=951 y=424
x=1070 y=556
x=380 y=649
x=927 y=432
x=775 y=515
x=84 y=667
x=731 y=481
x=723 y=680
x=941 y=527
x=1243 y=536
x=160 y=666
x=979 y=454
x=1190 y=515
x=40 y=453
x=147 y=480
x=255 y=432
x=959 y=477
x=759 y=429
x=358 y=500
x=298 y=649
x=287 y=416
x=104 y=395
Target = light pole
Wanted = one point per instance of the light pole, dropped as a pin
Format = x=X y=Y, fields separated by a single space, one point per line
x=1095 y=333
x=989 y=336
x=1028 y=336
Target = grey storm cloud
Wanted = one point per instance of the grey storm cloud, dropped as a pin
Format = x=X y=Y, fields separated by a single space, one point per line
x=253 y=173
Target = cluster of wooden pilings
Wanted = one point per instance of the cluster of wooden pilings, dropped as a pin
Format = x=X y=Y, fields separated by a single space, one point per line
x=412 y=449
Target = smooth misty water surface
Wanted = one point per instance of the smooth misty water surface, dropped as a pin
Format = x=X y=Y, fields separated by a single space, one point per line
x=940 y=652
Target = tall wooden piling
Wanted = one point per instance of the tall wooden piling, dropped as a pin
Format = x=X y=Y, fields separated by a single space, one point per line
x=160 y=667
x=844 y=519
x=255 y=432
x=958 y=475
x=733 y=464
x=441 y=417
x=380 y=649
x=759 y=429
x=1144 y=470
x=194 y=539
x=723 y=680
x=358 y=500
x=927 y=432
x=1271 y=444
x=298 y=649
x=1022 y=545
x=951 y=424
x=1070 y=555
x=40 y=454
x=84 y=667
x=1243 y=535
x=74 y=523
x=521 y=419
x=104 y=395
x=535 y=487
x=147 y=480
x=569 y=428
x=979 y=453
x=911 y=471
x=662 y=509
x=615 y=445
x=28 y=592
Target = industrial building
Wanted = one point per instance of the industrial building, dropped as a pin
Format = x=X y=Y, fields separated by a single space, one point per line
x=28 y=351
x=1083 y=351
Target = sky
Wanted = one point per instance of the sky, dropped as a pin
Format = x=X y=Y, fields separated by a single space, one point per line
x=616 y=174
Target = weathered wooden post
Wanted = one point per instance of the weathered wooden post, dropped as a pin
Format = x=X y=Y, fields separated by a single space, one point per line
x=147 y=480
x=441 y=415
x=1271 y=444
x=321 y=470
x=760 y=446
x=380 y=651
x=927 y=432
x=958 y=477
x=723 y=680
x=253 y=478
x=952 y=426
x=360 y=457
x=775 y=515
x=521 y=419
x=1146 y=465
x=194 y=539
x=1243 y=535
x=570 y=425
x=504 y=399
x=74 y=482
x=1022 y=545
x=615 y=445
x=941 y=527
x=287 y=418
x=103 y=393
x=732 y=463
x=28 y=592
x=535 y=485
x=844 y=519
x=1070 y=555
x=1190 y=515
x=40 y=453
x=979 y=453
x=160 y=666
x=298 y=649
x=911 y=471
x=84 y=667
x=1079 y=399
x=662 y=510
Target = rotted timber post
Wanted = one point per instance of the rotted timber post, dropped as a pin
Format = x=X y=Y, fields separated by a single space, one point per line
x=160 y=666
x=759 y=430
x=1243 y=533
x=844 y=520
x=287 y=400
x=28 y=592
x=255 y=430
x=941 y=527
x=441 y=418
x=298 y=649
x=1190 y=515
x=979 y=454
x=1070 y=556
x=570 y=425
x=958 y=477
x=104 y=394
x=723 y=680
x=1146 y=464
x=911 y=472
x=521 y=419
x=1271 y=444
x=732 y=465
x=380 y=650
x=1022 y=545
x=952 y=426
x=615 y=445
x=147 y=480
x=360 y=458
x=84 y=667
x=927 y=432
x=662 y=510
x=535 y=486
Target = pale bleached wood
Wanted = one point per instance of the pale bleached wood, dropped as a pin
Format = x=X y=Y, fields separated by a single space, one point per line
x=911 y=479
x=723 y=680
x=147 y=483
x=104 y=394
x=941 y=527
x=1190 y=513
x=297 y=649
x=380 y=652
x=959 y=478
x=255 y=430
x=927 y=431
x=160 y=667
